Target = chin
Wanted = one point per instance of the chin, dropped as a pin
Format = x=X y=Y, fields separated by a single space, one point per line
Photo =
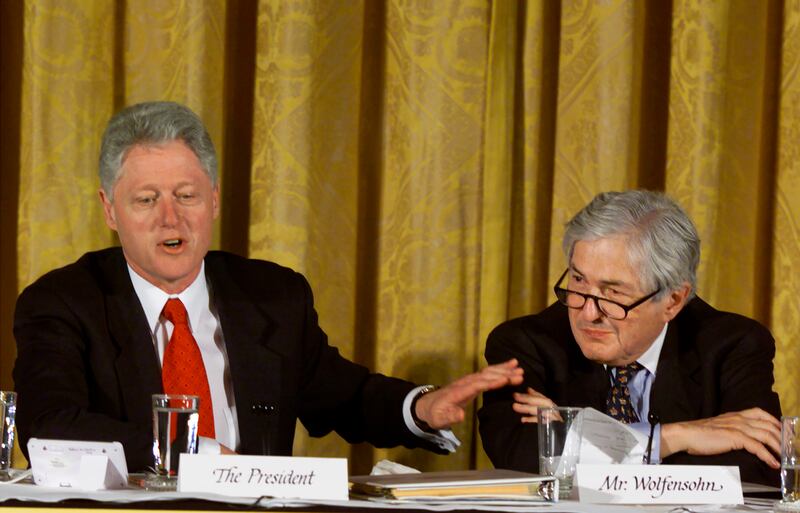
x=176 y=274
x=596 y=351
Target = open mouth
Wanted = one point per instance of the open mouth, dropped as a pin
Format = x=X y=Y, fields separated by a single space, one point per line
x=172 y=243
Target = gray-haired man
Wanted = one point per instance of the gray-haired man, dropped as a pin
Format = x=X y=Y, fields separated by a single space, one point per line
x=94 y=336
x=627 y=326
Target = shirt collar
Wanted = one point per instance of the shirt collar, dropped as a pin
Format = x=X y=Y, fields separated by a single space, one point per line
x=194 y=297
x=649 y=359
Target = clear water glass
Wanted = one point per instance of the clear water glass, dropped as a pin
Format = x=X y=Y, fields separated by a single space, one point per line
x=175 y=431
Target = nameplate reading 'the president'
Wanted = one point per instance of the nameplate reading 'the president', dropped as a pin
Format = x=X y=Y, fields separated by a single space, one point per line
x=257 y=476
x=658 y=484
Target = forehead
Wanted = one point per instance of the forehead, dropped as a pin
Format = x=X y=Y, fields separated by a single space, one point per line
x=167 y=161
x=605 y=260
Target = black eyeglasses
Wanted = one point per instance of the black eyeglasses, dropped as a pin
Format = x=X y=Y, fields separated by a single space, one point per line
x=610 y=309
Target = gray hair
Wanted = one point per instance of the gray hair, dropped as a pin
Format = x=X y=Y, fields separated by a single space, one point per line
x=661 y=238
x=153 y=123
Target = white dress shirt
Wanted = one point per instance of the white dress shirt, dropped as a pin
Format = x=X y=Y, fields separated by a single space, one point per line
x=639 y=387
x=207 y=332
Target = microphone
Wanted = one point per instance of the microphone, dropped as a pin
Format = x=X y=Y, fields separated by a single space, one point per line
x=653 y=419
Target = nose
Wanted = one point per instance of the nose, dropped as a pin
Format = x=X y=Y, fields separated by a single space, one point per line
x=169 y=214
x=591 y=310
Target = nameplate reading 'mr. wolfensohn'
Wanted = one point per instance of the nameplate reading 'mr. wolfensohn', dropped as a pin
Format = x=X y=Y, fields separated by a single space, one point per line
x=658 y=484
x=256 y=476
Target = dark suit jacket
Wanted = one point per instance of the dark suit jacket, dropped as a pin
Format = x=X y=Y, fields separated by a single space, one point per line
x=712 y=362
x=86 y=366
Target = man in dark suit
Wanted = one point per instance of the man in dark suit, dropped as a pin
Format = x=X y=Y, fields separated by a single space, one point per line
x=92 y=337
x=626 y=307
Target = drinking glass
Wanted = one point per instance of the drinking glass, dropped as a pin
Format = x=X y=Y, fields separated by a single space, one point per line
x=8 y=410
x=175 y=419
x=790 y=463
x=560 y=432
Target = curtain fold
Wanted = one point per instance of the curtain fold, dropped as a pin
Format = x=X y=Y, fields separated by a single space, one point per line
x=785 y=262
x=416 y=161
x=305 y=184
x=61 y=122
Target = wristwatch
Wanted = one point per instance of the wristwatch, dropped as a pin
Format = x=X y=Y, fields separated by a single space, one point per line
x=419 y=422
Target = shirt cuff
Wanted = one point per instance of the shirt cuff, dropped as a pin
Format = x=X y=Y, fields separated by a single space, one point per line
x=442 y=438
x=207 y=445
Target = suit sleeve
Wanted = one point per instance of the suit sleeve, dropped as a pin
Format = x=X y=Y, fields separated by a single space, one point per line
x=508 y=442
x=339 y=395
x=53 y=382
x=744 y=380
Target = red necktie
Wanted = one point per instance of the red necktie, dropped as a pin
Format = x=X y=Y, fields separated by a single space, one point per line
x=182 y=371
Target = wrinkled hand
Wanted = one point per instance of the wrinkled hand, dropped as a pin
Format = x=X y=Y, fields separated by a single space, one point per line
x=528 y=404
x=444 y=407
x=753 y=430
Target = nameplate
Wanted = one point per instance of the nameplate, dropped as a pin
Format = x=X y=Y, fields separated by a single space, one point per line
x=78 y=464
x=256 y=476
x=658 y=484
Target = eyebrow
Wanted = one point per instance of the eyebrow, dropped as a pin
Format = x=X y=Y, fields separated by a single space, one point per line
x=603 y=283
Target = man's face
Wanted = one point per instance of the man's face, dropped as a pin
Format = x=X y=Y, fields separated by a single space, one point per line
x=602 y=267
x=163 y=209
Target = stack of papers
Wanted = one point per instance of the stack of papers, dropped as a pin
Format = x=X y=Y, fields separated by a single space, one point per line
x=469 y=484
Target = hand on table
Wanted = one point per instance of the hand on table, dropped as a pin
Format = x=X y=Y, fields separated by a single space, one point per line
x=753 y=430
x=444 y=407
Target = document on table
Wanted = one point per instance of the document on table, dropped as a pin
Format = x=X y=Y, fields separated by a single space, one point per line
x=606 y=440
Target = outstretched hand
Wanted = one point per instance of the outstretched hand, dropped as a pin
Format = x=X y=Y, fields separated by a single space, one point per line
x=753 y=430
x=444 y=407
x=528 y=403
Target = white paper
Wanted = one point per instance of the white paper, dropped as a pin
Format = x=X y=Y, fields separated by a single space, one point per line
x=93 y=471
x=78 y=464
x=606 y=440
x=573 y=449
x=658 y=484
x=387 y=467
x=256 y=476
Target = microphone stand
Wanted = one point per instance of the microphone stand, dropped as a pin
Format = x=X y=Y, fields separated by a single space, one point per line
x=653 y=419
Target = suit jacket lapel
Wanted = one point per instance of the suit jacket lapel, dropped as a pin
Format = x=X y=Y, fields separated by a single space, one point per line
x=136 y=362
x=675 y=378
x=255 y=362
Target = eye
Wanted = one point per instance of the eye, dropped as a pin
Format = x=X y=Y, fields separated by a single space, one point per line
x=186 y=197
x=577 y=282
x=145 y=201
x=617 y=294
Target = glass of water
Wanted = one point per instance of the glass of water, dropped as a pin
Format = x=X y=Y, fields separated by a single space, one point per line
x=790 y=462
x=8 y=409
x=560 y=433
x=175 y=420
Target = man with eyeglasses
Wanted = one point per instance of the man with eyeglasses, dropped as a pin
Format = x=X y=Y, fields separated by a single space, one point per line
x=627 y=336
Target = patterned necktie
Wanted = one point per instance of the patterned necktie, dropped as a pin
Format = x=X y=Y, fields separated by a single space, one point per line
x=618 y=403
x=182 y=371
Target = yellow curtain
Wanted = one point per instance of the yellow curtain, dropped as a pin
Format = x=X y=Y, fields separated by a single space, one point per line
x=417 y=160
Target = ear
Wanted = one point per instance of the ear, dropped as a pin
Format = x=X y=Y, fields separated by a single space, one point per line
x=108 y=210
x=215 y=200
x=676 y=300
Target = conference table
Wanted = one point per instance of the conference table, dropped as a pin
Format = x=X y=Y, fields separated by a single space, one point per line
x=29 y=498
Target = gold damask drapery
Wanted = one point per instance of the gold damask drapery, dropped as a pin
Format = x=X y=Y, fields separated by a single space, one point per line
x=417 y=159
